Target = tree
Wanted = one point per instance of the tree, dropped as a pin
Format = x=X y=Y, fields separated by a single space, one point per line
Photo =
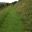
x=13 y=3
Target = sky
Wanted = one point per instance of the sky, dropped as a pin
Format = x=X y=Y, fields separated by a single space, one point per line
x=10 y=1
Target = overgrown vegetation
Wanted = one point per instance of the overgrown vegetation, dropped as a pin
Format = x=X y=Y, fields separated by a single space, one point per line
x=24 y=9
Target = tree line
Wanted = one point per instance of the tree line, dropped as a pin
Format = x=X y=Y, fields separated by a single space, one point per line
x=7 y=4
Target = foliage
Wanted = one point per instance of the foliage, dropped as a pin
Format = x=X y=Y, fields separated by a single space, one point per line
x=23 y=21
x=24 y=9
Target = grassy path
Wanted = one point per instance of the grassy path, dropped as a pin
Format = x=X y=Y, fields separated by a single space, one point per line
x=12 y=22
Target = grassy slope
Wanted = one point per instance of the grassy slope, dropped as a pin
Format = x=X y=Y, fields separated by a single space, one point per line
x=9 y=21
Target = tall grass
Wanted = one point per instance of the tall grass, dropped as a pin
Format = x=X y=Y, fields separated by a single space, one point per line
x=24 y=9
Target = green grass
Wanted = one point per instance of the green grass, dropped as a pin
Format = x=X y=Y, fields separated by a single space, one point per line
x=10 y=21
